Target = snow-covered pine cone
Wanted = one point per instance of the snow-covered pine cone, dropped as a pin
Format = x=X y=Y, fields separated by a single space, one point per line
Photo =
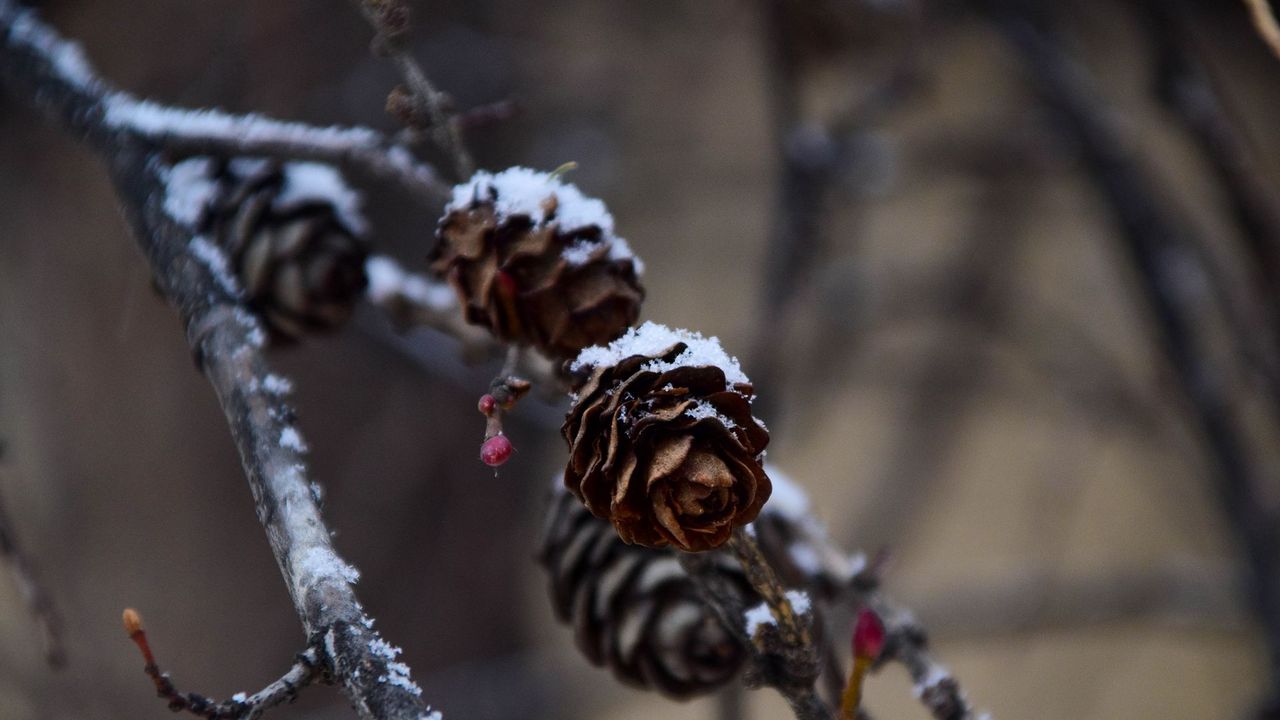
x=662 y=442
x=633 y=609
x=536 y=262
x=293 y=237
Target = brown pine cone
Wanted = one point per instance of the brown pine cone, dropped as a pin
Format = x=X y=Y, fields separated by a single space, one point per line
x=662 y=442
x=633 y=609
x=537 y=263
x=294 y=240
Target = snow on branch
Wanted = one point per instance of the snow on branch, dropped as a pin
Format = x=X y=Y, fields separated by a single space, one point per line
x=51 y=73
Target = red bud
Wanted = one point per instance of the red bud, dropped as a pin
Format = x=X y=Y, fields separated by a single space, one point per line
x=868 y=635
x=496 y=450
x=487 y=404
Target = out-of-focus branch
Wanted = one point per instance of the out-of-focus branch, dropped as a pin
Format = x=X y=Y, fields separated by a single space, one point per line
x=32 y=591
x=38 y=65
x=1198 y=594
x=1264 y=21
x=422 y=107
x=1170 y=276
x=1185 y=87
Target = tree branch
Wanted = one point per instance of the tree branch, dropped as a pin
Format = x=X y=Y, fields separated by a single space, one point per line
x=1162 y=258
x=227 y=342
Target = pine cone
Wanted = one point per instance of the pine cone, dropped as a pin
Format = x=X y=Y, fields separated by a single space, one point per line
x=662 y=442
x=294 y=241
x=537 y=263
x=634 y=609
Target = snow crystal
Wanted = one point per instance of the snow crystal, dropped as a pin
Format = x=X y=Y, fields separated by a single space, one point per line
x=317 y=562
x=291 y=440
x=67 y=57
x=277 y=385
x=189 y=186
x=239 y=697
x=936 y=675
x=524 y=191
x=651 y=339
x=756 y=617
x=213 y=259
x=701 y=410
x=387 y=279
x=310 y=181
x=397 y=672
x=799 y=601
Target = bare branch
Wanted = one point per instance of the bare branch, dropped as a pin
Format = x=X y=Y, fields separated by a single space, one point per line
x=227 y=342
x=305 y=669
x=33 y=593
x=390 y=21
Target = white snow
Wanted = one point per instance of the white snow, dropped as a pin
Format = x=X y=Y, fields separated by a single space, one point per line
x=388 y=279
x=239 y=697
x=316 y=562
x=397 y=672
x=67 y=57
x=759 y=615
x=153 y=119
x=291 y=440
x=213 y=258
x=277 y=385
x=651 y=339
x=756 y=617
x=702 y=410
x=433 y=715
x=310 y=181
x=799 y=601
x=524 y=191
x=256 y=337
x=189 y=186
x=937 y=674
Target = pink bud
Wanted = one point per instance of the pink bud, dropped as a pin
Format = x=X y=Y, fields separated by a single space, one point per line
x=496 y=451
x=486 y=404
x=868 y=635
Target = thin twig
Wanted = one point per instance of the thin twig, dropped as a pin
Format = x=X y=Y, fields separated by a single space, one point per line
x=390 y=21
x=305 y=669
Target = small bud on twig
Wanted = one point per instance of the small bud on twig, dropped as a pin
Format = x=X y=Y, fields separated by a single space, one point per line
x=868 y=642
x=496 y=450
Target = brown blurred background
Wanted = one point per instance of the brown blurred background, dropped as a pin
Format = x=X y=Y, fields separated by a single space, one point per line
x=970 y=375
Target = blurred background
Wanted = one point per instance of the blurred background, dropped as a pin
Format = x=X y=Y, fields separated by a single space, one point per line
x=931 y=233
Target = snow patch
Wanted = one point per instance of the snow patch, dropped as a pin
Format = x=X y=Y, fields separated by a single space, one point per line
x=652 y=338
x=67 y=57
x=387 y=279
x=291 y=440
x=524 y=191
x=701 y=411
x=316 y=182
x=757 y=617
x=277 y=385
x=936 y=675
x=317 y=562
x=799 y=601
x=216 y=262
x=189 y=187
